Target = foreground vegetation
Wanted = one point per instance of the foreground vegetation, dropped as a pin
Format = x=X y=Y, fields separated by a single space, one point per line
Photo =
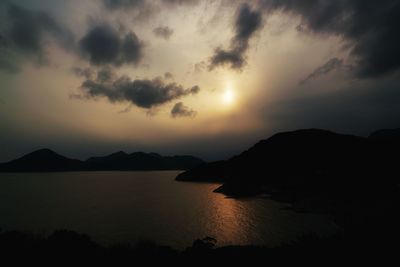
x=65 y=247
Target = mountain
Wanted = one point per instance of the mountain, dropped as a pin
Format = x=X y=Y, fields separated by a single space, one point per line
x=207 y=172
x=386 y=139
x=45 y=160
x=283 y=155
x=387 y=135
x=142 y=161
x=387 y=144
x=352 y=179
x=307 y=158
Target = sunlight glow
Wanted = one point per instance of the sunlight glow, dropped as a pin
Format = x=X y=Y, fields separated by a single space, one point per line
x=228 y=97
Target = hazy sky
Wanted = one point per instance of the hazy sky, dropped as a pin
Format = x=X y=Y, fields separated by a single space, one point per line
x=207 y=78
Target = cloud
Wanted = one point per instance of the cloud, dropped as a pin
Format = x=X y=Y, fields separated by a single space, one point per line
x=138 y=10
x=86 y=73
x=371 y=26
x=181 y=2
x=27 y=29
x=180 y=110
x=163 y=32
x=117 y=4
x=168 y=75
x=142 y=93
x=125 y=110
x=330 y=65
x=106 y=75
x=200 y=66
x=104 y=45
x=7 y=64
x=232 y=57
x=3 y=41
x=247 y=22
x=25 y=34
x=146 y=5
x=143 y=10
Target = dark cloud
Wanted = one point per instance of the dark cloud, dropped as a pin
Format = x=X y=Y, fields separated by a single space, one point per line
x=330 y=65
x=247 y=22
x=132 y=48
x=126 y=110
x=194 y=90
x=104 y=45
x=200 y=66
x=142 y=10
x=164 y=32
x=232 y=57
x=7 y=63
x=106 y=75
x=116 y=4
x=86 y=73
x=168 y=75
x=181 y=2
x=8 y=66
x=371 y=26
x=3 y=41
x=138 y=10
x=180 y=110
x=145 y=4
x=142 y=93
x=27 y=29
x=26 y=33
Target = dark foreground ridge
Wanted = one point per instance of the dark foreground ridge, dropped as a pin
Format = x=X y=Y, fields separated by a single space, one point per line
x=353 y=179
x=305 y=158
x=46 y=160
x=65 y=247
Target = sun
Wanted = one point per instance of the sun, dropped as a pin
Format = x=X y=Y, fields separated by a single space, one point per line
x=228 y=96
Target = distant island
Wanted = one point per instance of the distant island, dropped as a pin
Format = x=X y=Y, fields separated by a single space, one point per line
x=46 y=160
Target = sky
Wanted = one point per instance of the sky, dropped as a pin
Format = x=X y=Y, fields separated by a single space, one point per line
x=208 y=78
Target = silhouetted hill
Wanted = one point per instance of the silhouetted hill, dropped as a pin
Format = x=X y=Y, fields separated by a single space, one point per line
x=288 y=157
x=45 y=160
x=349 y=177
x=42 y=160
x=387 y=146
x=387 y=135
x=206 y=172
x=142 y=161
x=386 y=140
